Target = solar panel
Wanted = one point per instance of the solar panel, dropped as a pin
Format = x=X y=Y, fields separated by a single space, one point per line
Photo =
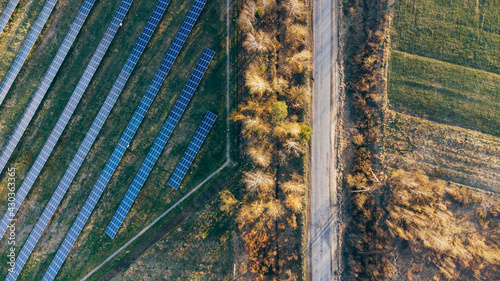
x=32 y=107
x=159 y=144
x=7 y=13
x=26 y=48
x=192 y=150
x=58 y=129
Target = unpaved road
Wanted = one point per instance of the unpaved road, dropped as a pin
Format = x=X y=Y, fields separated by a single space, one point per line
x=323 y=231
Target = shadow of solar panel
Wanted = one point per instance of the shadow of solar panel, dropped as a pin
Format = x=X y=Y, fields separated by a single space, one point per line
x=7 y=13
x=26 y=48
x=32 y=107
x=56 y=133
x=192 y=150
x=159 y=143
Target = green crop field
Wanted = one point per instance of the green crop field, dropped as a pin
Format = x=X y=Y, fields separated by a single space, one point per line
x=445 y=63
x=93 y=246
x=445 y=92
x=464 y=32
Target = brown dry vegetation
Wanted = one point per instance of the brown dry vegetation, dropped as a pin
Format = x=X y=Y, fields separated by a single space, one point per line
x=276 y=65
x=447 y=152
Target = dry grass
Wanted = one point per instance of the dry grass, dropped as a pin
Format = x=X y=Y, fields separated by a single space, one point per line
x=447 y=152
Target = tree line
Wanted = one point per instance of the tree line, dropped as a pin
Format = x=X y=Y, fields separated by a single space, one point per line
x=275 y=63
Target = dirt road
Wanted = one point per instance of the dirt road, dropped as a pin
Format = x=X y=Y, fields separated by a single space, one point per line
x=323 y=232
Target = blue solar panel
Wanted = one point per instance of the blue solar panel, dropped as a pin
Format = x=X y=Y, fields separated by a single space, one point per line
x=7 y=13
x=113 y=162
x=159 y=144
x=58 y=129
x=26 y=48
x=32 y=107
x=192 y=150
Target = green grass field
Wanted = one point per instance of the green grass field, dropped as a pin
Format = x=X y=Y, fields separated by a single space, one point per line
x=445 y=63
x=445 y=92
x=464 y=32
x=94 y=245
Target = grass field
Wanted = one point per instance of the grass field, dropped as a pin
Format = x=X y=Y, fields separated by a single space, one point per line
x=194 y=250
x=94 y=246
x=463 y=156
x=464 y=32
x=445 y=92
x=446 y=62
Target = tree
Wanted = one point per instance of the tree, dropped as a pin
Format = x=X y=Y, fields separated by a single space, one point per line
x=274 y=209
x=255 y=126
x=279 y=112
x=294 y=202
x=296 y=9
x=296 y=36
x=294 y=185
x=300 y=96
x=256 y=84
x=301 y=61
x=258 y=181
x=293 y=147
x=259 y=155
x=247 y=16
x=280 y=84
x=306 y=132
x=257 y=42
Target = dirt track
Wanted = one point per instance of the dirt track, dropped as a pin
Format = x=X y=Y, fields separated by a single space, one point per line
x=323 y=232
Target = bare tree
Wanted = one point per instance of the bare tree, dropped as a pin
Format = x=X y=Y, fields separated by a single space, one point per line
x=259 y=155
x=300 y=62
x=295 y=185
x=294 y=202
x=256 y=84
x=247 y=16
x=280 y=84
x=274 y=209
x=258 y=181
x=257 y=42
x=296 y=9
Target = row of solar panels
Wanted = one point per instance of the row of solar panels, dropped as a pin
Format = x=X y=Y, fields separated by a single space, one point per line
x=159 y=143
x=56 y=133
x=96 y=126
x=26 y=48
x=35 y=102
x=7 y=13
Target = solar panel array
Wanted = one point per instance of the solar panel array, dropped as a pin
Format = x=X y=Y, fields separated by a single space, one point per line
x=26 y=48
x=32 y=107
x=7 y=13
x=93 y=132
x=57 y=131
x=37 y=98
x=192 y=150
x=159 y=144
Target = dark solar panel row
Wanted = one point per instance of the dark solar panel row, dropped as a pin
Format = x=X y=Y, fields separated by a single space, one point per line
x=96 y=127
x=26 y=48
x=58 y=129
x=158 y=146
x=192 y=150
x=7 y=13
x=32 y=107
